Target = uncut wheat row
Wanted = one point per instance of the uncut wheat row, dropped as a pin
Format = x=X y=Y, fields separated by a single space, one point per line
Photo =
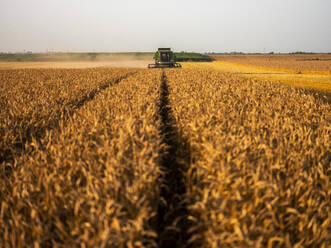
x=260 y=172
x=32 y=101
x=93 y=181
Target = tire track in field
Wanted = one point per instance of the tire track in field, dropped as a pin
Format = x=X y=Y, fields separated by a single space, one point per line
x=79 y=102
x=66 y=111
x=172 y=217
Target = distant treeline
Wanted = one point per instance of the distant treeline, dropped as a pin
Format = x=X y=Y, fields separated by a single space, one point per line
x=243 y=53
x=192 y=57
x=53 y=57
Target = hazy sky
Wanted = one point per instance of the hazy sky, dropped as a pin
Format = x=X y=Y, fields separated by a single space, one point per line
x=145 y=25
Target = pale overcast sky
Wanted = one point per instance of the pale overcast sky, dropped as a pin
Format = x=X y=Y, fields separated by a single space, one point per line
x=145 y=25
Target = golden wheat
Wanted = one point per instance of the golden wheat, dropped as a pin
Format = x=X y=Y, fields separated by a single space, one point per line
x=260 y=160
x=306 y=79
x=32 y=101
x=82 y=156
x=93 y=180
x=297 y=62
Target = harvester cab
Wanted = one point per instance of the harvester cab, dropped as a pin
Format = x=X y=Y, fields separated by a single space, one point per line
x=164 y=57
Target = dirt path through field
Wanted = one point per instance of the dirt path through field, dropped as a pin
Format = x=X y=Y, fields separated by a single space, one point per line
x=172 y=217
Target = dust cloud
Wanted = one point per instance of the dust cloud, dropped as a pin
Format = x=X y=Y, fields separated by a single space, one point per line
x=79 y=60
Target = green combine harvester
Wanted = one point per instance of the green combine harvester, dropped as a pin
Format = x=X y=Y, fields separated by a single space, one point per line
x=164 y=57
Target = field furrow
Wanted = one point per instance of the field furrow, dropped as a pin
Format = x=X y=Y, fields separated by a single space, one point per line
x=259 y=171
x=173 y=222
x=94 y=181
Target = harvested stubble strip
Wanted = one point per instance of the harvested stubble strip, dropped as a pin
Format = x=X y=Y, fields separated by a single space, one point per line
x=260 y=160
x=33 y=100
x=300 y=62
x=94 y=181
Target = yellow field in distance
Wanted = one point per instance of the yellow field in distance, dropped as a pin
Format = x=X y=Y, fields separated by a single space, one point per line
x=320 y=80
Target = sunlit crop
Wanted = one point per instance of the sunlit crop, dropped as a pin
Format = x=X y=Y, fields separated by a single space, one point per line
x=318 y=63
x=92 y=178
x=259 y=173
x=320 y=80
x=191 y=157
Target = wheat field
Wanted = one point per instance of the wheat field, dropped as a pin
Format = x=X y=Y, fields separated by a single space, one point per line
x=293 y=62
x=320 y=80
x=192 y=157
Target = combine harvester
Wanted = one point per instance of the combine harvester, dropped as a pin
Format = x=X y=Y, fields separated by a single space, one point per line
x=164 y=57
